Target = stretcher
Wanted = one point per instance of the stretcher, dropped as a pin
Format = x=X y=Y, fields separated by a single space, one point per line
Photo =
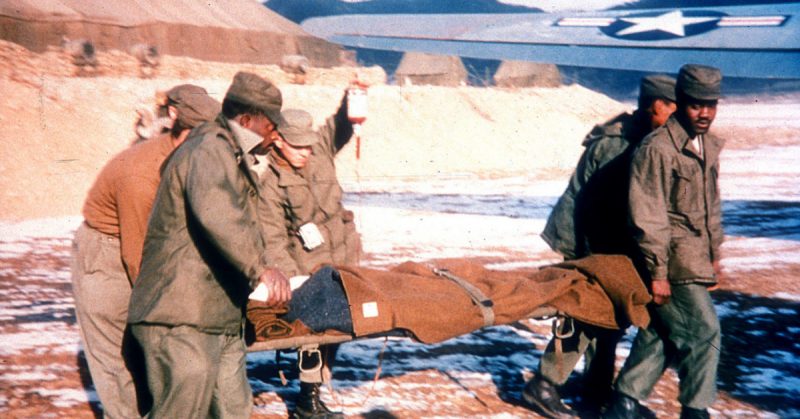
x=320 y=339
x=430 y=303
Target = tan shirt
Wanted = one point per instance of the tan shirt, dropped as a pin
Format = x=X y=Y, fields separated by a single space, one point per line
x=119 y=202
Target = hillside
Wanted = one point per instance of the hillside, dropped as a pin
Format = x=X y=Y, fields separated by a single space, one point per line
x=59 y=130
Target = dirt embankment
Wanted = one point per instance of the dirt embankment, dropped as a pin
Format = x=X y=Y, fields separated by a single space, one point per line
x=59 y=129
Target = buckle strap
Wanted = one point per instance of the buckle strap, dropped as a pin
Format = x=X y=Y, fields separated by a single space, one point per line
x=563 y=326
x=309 y=358
x=480 y=299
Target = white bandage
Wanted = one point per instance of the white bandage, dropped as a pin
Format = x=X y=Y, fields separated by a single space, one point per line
x=261 y=293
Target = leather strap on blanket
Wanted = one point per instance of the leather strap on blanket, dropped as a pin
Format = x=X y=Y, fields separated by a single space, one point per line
x=480 y=299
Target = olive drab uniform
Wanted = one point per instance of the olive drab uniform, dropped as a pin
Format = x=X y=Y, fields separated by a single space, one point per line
x=676 y=215
x=683 y=245
x=203 y=254
x=591 y=218
x=591 y=215
x=296 y=197
x=296 y=201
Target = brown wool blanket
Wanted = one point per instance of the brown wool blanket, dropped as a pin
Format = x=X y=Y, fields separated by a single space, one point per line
x=603 y=290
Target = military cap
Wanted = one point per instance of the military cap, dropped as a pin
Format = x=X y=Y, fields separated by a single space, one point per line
x=258 y=92
x=658 y=86
x=699 y=82
x=193 y=104
x=298 y=128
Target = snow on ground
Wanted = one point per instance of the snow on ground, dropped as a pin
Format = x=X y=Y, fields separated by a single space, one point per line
x=768 y=112
x=477 y=375
x=762 y=173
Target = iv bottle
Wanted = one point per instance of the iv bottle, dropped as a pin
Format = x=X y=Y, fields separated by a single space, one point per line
x=357 y=106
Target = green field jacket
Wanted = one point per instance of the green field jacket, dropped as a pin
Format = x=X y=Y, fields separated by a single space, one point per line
x=294 y=197
x=675 y=204
x=591 y=215
x=204 y=250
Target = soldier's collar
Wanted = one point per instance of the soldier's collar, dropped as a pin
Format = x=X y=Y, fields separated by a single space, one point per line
x=249 y=140
x=680 y=137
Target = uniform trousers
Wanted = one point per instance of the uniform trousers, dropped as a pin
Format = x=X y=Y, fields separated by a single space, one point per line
x=684 y=332
x=102 y=291
x=598 y=345
x=193 y=374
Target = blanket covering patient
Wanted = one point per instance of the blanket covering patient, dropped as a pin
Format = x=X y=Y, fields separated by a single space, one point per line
x=603 y=290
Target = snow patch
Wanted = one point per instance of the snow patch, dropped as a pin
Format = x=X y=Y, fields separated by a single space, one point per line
x=68 y=397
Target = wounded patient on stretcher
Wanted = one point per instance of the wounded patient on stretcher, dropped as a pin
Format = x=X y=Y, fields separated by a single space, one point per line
x=444 y=299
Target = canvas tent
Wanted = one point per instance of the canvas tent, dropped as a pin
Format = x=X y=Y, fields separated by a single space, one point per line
x=440 y=70
x=527 y=74
x=218 y=30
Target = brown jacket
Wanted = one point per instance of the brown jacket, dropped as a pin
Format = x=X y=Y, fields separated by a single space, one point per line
x=119 y=202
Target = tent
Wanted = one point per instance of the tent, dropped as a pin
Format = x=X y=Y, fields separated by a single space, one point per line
x=216 y=30
x=440 y=70
x=527 y=74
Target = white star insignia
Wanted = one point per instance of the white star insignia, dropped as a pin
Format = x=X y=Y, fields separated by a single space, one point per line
x=672 y=22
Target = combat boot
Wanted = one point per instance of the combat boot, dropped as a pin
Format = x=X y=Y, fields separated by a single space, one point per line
x=544 y=396
x=622 y=407
x=309 y=405
x=689 y=413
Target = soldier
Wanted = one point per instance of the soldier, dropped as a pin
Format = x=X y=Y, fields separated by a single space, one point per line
x=676 y=217
x=304 y=220
x=203 y=254
x=108 y=248
x=589 y=218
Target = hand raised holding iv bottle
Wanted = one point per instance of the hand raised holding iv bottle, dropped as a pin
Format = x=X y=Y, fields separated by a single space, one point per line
x=357 y=108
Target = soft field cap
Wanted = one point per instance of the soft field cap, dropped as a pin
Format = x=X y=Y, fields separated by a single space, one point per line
x=258 y=92
x=193 y=104
x=297 y=128
x=657 y=86
x=699 y=82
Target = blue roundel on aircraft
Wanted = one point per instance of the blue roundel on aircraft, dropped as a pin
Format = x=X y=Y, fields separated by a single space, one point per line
x=663 y=25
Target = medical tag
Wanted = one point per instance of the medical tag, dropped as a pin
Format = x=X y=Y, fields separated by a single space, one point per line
x=311 y=236
x=369 y=309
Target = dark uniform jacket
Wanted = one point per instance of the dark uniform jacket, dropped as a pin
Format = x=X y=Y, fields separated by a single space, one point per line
x=675 y=204
x=312 y=194
x=204 y=250
x=591 y=215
